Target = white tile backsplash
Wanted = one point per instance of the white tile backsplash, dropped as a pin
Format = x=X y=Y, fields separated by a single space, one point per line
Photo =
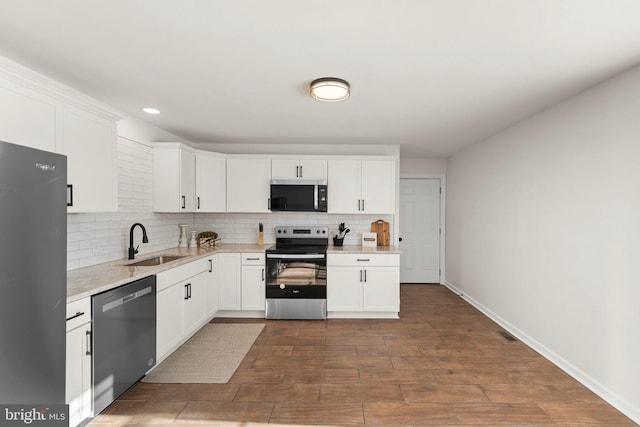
x=94 y=238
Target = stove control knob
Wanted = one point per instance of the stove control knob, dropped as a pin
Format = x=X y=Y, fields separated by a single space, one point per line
x=324 y=231
x=281 y=285
x=279 y=231
x=284 y=231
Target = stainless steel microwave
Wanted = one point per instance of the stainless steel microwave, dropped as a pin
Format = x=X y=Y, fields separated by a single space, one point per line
x=298 y=195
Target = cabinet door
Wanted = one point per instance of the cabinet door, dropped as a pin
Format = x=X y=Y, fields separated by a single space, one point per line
x=26 y=117
x=285 y=169
x=169 y=319
x=78 y=374
x=344 y=186
x=174 y=178
x=229 y=281
x=195 y=303
x=313 y=169
x=211 y=183
x=89 y=142
x=253 y=287
x=344 y=289
x=378 y=186
x=187 y=181
x=248 y=185
x=381 y=289
x=212 y=286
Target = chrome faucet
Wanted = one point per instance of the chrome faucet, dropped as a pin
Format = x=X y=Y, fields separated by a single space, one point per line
x=145 y=239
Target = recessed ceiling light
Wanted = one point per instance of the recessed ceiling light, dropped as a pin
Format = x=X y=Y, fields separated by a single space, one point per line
x=149 y=110
x=330 y=89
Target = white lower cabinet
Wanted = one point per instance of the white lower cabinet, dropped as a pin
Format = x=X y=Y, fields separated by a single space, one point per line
x=168 y=319
x=253 y=286
x=213 y=284
x=363 y=285
x=229 y=276
x=181 y=305
x=78 y=393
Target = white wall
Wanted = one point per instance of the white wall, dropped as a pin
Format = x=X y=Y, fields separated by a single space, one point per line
x=423 y=166
x=543 y=227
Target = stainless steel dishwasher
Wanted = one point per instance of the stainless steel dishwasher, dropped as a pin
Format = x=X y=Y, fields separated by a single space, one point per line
x=124 y=338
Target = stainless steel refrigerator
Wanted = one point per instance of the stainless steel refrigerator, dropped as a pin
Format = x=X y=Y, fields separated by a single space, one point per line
x=33 y=263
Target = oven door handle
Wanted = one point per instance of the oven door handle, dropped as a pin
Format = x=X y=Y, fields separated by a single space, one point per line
x=296 y=256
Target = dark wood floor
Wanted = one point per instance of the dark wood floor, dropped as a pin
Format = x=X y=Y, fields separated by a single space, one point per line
x=442 y=363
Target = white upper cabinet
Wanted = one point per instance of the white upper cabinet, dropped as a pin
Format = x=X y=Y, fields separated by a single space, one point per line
x=26 y=117
x=248 y=184
x=211 y=182
x=361 y=186
x=298 y=169
x=174 y=178
x=378 y=183
x=89 y=142
x=187 y=180
x=39 y=113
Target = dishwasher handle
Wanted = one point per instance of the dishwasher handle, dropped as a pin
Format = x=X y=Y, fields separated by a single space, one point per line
x=128 y=298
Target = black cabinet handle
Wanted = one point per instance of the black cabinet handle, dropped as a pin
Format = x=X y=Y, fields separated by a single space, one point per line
x=69 y=194
x=78 y=314
x=400 y=239
x=263 y=274
x=198 y=199
x=297 y=171
x=210 y=266
x=184 y=202
x=300 y=171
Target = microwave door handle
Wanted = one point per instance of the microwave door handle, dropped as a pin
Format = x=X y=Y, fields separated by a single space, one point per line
x=315 y=196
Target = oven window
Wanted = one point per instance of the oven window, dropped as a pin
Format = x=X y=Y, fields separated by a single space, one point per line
x=292 y=272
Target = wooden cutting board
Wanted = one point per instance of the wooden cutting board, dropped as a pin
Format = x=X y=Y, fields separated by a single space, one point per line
x=382 y=229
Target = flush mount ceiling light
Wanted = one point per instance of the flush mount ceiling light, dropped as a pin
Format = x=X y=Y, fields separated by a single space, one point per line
x=330 y=89
x=150 y=110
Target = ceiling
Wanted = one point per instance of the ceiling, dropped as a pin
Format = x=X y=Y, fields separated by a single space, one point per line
x=430 y=75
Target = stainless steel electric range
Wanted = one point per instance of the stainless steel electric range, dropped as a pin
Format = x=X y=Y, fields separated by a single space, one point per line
x=296 y=273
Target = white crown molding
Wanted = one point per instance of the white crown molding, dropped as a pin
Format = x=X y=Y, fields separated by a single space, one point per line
x=23 y=76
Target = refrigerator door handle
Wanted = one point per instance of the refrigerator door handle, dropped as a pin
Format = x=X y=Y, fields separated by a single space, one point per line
x=69 y=194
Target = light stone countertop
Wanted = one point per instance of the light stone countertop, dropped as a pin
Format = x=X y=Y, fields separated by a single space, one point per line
x=357 y=249
x=92 y=280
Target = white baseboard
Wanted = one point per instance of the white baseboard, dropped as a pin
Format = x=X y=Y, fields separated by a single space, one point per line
x=605 y=393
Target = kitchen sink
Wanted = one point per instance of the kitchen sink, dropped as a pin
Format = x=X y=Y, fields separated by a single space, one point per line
x=161 y=259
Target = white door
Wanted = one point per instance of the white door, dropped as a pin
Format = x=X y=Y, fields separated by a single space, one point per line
x=420 y=230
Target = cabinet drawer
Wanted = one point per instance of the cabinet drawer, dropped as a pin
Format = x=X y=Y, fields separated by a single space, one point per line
x=252 y=258
x=78 y=313
x=387 y=260
x=177 y=274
